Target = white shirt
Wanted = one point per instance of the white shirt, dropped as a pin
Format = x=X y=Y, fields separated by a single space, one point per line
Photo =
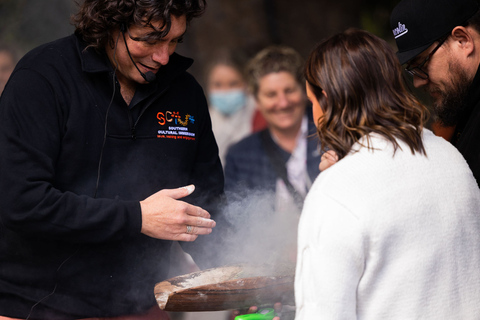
x=229 y=129
x=297 y=173
x=391 y=237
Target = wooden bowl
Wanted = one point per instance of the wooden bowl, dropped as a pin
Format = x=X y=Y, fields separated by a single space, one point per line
x=225 y=288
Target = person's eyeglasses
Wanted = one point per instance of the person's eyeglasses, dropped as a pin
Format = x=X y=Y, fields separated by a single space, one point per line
x=417 y=70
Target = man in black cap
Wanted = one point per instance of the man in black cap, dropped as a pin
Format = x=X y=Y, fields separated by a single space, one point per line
x=439 y=41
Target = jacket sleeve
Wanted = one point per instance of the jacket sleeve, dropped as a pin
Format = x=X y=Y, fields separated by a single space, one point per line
x=31 y=124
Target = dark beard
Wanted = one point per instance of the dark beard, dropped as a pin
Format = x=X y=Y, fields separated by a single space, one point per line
x=451 y=105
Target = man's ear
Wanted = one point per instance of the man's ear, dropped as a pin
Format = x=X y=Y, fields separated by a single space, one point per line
x=463 y=40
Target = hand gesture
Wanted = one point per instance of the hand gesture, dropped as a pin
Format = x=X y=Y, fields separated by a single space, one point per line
x=327 y=160
x=165 y=217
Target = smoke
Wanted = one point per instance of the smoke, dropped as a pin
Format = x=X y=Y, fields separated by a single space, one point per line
x=261 y=233
x=260 y=242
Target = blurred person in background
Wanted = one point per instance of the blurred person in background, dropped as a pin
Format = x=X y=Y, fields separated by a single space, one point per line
x=275 y=80
x=8 y=59
x=392 y=230
x=280 y=162
x=107 y=156
x=231 y=107
x=439 y=42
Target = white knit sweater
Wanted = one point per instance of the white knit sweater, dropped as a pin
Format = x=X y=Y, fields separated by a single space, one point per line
x=391 y=237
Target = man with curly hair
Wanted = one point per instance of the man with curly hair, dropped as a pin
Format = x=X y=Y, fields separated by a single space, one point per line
x=107 y=157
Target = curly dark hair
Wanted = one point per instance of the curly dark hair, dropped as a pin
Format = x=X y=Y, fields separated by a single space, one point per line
x=364 y=93
x=96 y=19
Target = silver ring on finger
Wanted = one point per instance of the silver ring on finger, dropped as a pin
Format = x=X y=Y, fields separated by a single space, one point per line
x=189 y=229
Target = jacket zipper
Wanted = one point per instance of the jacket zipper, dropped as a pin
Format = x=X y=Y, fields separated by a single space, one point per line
x=133 y=129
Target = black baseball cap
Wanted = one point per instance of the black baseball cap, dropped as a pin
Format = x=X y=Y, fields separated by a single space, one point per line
x=417 y=24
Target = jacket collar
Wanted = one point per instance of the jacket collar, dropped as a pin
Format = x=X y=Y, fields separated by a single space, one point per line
x=473 y=97
x=471 y=106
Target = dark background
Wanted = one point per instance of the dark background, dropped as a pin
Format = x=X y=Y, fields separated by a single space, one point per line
x=243 y=25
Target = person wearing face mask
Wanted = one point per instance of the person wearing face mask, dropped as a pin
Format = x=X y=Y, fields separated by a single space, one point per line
x=231 y=107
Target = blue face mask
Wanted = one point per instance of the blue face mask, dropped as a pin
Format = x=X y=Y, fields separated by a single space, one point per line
x=229 y=101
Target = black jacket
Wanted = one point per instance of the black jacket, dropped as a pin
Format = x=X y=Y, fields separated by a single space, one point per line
x=467 y=132
x=56 y=236
x=248 y=166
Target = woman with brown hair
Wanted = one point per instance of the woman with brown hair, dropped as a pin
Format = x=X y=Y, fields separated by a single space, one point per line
x=392 y=230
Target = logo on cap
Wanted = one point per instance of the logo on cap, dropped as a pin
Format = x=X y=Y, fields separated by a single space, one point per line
x=400 y=30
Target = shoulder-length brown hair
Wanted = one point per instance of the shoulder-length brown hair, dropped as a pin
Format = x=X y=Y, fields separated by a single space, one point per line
x=96 y=20
x=365 y=93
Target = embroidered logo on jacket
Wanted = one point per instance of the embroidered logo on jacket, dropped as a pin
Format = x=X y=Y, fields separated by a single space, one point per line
x=174 y=127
